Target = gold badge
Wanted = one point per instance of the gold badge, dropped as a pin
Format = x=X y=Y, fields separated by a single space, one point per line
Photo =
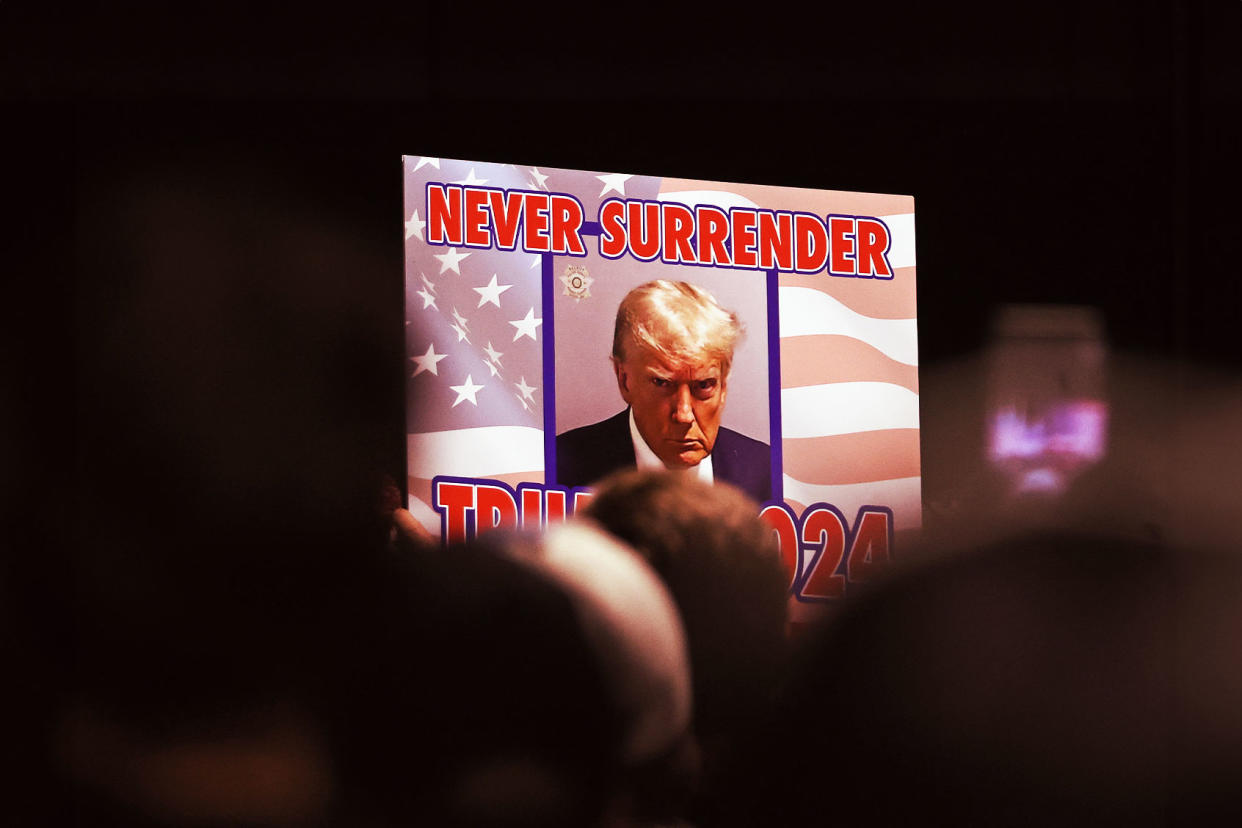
x=577 y=282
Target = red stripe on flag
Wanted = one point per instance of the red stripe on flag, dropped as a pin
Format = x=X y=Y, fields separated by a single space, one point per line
x=862 y=457
x=827 y=358
x=860 y=295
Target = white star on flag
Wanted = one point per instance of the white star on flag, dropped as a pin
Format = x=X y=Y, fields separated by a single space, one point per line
x=466 y=391
x=492 y=353
x=614 y=181
x=470 y=180
x=427 y=362
x=461 y=333
x=414 y=227
x=451 y=260
x=491 y=367
x=435 y=162
x=540 y=178
x=429 y=301
x=527 y=326
x=525 y=389
x=431 y=286
x=491 y=292
x=461 y=320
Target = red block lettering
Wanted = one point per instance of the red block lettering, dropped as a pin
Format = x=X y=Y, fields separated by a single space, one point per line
x=443 y=214
x=644 y=224
x=775 y=241
x=869 y=554
x=532 y=507
x=495 y=508
x=567 y=225
x=678 y=228
x=453 y=500
x=477 y=220
x=873 y=243
x=824 y=527
x=841 y=240
x=506 y=216
x=612 y=228
x=713 y=230
x=536 y=239
x=744 y=221
x=812 y=243
x=781 y=521
x=556 y=506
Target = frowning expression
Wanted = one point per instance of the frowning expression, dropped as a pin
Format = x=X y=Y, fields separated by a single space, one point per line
x=677 y=406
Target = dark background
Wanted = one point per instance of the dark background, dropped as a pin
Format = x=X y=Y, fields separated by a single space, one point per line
x=205 y=231
x=206 y=219
x=203 y=250
x=206 y=198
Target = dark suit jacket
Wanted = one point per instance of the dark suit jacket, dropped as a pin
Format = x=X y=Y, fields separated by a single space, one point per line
x=584 y=455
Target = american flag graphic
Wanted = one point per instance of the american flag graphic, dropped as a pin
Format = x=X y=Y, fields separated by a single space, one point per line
x=848 y=362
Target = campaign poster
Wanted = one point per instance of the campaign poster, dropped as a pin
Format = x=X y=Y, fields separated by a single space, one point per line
x=516 y=404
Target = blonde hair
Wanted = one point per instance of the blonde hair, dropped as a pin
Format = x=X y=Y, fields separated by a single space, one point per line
x=678 y=322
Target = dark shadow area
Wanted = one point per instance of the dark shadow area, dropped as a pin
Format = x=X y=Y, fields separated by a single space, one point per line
x=206 y=360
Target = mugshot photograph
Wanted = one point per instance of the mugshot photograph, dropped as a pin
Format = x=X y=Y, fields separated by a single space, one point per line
x=672 y=354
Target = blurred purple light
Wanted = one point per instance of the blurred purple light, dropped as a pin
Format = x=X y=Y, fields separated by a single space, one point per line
x=1043 y=453
x=1075 y=428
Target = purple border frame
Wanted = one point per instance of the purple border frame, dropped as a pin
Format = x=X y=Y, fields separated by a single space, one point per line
x=592 y=228
x=549 y=365
x=774 y=388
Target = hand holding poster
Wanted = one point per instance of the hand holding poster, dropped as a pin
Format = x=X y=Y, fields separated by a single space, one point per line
x=562 y=324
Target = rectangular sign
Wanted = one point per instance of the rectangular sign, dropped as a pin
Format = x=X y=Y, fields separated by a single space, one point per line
x=767 y=337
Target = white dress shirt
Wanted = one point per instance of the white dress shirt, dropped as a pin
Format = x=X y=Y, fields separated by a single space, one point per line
x=647 y=458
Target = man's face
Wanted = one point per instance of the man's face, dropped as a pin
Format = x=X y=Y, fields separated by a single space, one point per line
x=677 y=407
